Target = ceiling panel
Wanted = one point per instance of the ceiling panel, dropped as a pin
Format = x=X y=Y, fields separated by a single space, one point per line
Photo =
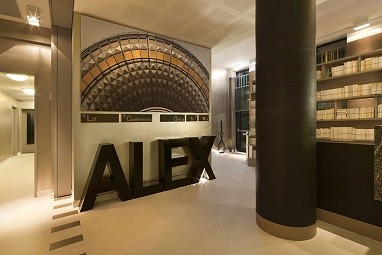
x=240 y=5
x=190 y=9
x=10 y=8
x=159 y=3
x=139 y=14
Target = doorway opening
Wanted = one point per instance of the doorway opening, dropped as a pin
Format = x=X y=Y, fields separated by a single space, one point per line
x=17 y=128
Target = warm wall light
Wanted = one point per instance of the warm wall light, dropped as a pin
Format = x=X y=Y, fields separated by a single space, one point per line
x=32 y=16
x=360 y=24
x=28 y=91
x=17 y=77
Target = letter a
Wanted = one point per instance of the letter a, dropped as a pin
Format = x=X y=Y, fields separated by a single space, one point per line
x=106 y=155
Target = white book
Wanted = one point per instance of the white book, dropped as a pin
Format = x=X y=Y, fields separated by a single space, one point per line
x=346 y=91
x=355 y=66
x=355 y=90
x=348 y=67
x=341 y=70
x=362 y=113
x=363 y=65
x=319 y=74
x=366 y=89
x=369 y=64
x=379 y=88
x=380 y=62
x=374 y=63
x=373 y=88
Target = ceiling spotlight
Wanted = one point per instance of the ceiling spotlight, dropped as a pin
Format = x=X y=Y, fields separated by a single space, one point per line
x=28 y=91
x=362 y=23
x=32 y=16
x=17 y=77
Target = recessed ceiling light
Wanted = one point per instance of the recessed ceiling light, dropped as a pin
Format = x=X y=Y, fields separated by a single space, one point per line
x=28 y=91
x=32 y=16
x=17 y=77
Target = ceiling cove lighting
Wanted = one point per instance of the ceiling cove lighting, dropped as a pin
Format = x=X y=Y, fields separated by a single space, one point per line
x=360 y=24
x=366 y=32
x=28 y=91
x=17 y=77
x=32 y=16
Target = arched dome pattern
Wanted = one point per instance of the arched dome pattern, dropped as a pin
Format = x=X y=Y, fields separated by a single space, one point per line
x=142 y=72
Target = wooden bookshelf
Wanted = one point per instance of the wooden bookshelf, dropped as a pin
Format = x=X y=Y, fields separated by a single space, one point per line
x=364 y=72
x=251 y=148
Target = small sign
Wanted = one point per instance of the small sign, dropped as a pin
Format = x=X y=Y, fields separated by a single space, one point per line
x=204 y=117
x=137 y=118
x=99 y=118
x=172 y=118
x=192 y=118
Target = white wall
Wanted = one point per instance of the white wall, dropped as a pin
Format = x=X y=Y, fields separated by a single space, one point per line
x=27 y=104
x=87 y=136
x=220 y=103
x=6 y=125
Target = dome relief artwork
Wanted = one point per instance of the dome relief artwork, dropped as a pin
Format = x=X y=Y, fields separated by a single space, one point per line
x=142 y=72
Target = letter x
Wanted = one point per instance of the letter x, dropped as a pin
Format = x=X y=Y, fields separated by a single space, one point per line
x=200 y=150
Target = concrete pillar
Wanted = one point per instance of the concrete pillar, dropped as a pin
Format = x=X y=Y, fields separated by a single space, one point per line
x=285 y=118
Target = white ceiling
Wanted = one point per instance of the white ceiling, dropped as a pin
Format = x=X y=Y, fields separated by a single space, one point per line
x=223 y=25
x=16 y=10
x=13 y=88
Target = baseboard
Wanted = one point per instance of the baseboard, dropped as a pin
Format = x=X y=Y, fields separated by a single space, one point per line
x=356 y=226
x=43 y=193
x=5 y=161
x=286 y=232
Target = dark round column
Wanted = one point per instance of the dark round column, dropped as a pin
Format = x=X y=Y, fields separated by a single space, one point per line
x=286 y=118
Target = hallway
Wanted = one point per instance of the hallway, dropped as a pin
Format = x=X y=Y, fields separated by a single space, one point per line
x=216 y=217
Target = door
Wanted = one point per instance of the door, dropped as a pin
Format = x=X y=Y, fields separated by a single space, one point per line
x=27 y=131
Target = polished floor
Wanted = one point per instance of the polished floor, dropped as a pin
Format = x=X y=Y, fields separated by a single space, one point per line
x=216 y=217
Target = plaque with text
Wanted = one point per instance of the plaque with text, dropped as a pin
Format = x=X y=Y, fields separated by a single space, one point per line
x=137 y=118
x=99 y=118
x=172 y=118
x=192 y=117
x=204 y=117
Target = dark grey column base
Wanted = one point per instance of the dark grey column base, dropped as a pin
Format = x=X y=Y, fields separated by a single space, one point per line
x=286 y=232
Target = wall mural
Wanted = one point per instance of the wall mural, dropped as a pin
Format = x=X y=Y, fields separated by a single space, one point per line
x=142 y=72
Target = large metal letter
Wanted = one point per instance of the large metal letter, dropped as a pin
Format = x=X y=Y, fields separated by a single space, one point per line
x=106 y=155
x=200 y=150
x=167 y=162
x=139 y=188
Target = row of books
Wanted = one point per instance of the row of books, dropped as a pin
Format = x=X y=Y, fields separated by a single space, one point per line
x=351 y=113
x=327 y=114
x=345 y=134
x=353 y=90
x=319 y=74
x=252 y=103
x=371 y=63
x=348 y=67
x=252 y=131
x=379 y=111
x=253 y=88
x=252 y=118
x=355 y=113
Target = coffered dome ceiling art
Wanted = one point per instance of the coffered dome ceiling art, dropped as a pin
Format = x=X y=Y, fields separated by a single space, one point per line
x=141 y=72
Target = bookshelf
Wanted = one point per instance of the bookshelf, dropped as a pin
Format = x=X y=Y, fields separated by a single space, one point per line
x=252 y=120
x=241 y=110
x=349 y=97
